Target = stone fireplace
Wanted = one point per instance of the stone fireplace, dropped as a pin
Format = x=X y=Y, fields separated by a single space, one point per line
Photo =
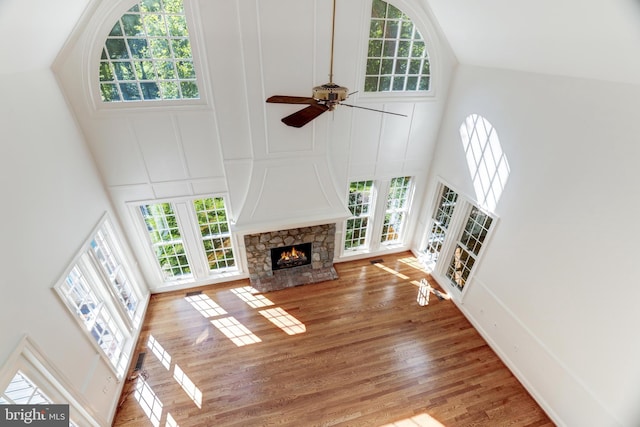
x=309 y=252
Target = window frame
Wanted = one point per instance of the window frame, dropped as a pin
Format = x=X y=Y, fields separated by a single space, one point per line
x=219 y=236
x=186 y=219
x=369 y=216
x=378 y=211
x=133 y=62
x=28 y=359
x=391 y=210
x=422 y=25
x=101 y=288
x=459 y=218
x=435 y=221
x=191 y=13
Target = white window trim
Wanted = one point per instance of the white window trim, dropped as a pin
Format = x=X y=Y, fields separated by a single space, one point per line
x=369 y=216
x=192 y=241
x=376 y=219
x=84 y=258
x=104 y=23
x=424 y=25
x=461 y=212
x=30 y=360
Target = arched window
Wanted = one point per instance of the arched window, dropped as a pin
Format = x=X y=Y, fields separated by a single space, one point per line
x=486 y=161
x=397 y=58
x=147 y=55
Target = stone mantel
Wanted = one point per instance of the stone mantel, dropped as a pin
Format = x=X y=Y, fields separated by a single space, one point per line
x=258 y=249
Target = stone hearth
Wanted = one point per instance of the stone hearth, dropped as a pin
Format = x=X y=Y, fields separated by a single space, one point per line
x=258 y=248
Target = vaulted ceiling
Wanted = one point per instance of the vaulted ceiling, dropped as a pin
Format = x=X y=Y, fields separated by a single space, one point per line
x=583 y=38
x=234 y=141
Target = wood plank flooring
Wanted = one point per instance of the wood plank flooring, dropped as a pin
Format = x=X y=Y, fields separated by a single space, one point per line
x=357 y=351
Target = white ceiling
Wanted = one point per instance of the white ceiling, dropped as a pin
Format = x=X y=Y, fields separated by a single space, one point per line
x=597 y=39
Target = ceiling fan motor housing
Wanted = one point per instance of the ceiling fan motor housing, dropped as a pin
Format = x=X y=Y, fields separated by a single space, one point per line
x=330 y=93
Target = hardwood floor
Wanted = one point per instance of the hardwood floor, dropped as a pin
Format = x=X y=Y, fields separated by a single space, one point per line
x=357 y=351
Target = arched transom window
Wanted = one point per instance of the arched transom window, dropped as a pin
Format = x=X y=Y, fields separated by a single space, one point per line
x=147 y=55
x=397 y=58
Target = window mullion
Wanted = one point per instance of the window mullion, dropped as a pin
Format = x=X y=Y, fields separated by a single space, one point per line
x=456 y=226
x=379 y=210
x=187 y=223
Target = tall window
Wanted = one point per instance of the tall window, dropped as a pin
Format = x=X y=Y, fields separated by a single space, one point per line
x=378 y=208
x=456 y=234
x=147 y=55
x=90 y=308
x=214 y=229
x=111 y=262
x=100 y=292
x=397 y=58
x=191 y=240
x=397 y=209
x=166 y=239
x=360 y=199
x=440 y=224
x=468 y=247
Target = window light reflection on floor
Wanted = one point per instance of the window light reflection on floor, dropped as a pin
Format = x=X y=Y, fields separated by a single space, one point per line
x=159 y=352
x=390 y=270
x=205 y=305
x=235 y=331
x=413 y=262
x=250 y=295
x=188 y=386
x=279 y=317
x=421 y=420
x=149 y=402
x=171 y=422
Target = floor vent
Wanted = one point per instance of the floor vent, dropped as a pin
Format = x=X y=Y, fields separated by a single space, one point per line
x=190 y=294
x=140 y=361
x=377 y=261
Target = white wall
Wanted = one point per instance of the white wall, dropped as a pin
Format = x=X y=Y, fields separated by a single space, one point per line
x=555 y=293
x=52 y=199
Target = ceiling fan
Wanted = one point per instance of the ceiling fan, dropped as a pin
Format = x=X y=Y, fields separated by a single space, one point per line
x=323 y=98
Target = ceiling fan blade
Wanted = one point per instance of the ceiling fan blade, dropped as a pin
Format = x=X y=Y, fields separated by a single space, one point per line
x=284 y=99
x=304 y=116
x=373 y=109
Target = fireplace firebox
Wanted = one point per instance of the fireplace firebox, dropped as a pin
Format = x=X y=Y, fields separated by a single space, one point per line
x=290 y=256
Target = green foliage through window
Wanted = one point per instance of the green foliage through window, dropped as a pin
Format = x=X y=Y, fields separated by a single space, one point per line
x=147 y=55
x=360 y=199
x=397 y=209
x=166 y=239
x=214 y=229
x=397 y=58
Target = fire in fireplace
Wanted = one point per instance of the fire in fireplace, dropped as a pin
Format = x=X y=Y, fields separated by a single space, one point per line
x=290 y=256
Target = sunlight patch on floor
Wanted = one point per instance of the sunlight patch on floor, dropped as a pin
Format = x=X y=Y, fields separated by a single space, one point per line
x=205 y=305
x=250 y=295
x=235 y=331
x=159 y=352
x=171 y=422
x=188 y=386
x=415 y=263
x=421 y=420
x=392 y=271
x=279 y=317
x=149 y=402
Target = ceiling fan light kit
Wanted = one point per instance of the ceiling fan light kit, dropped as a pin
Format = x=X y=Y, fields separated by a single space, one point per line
x=330 y=93
x=324 y=98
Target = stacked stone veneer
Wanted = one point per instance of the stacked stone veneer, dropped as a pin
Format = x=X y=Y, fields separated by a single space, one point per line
x=258 y=249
